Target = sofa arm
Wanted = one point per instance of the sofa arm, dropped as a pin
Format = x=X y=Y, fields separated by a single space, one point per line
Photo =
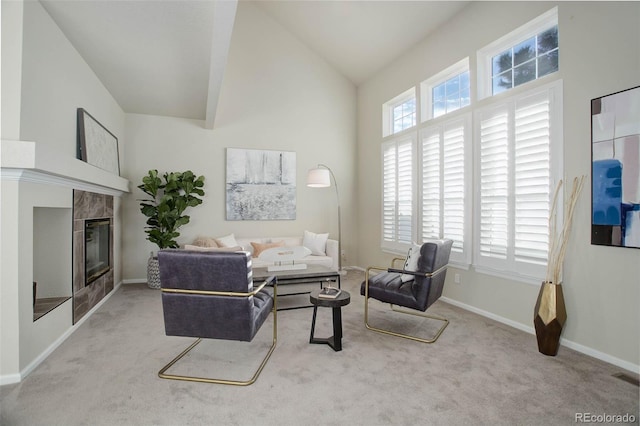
x=334 y=253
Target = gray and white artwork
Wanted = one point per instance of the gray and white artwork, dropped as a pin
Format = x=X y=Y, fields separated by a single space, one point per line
x=261 y=185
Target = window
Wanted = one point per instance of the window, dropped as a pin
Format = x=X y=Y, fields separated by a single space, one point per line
x=526 y=61
x=520 y=145
x=397 y=193
x=447 y=91
x=526 y=54
x=445 y=204
x=399 y=113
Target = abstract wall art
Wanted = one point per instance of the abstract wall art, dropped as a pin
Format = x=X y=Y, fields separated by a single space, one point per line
x=96 y=144
x=615 y=169
x=261 y=184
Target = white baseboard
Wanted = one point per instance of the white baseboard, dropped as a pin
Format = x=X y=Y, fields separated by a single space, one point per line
x=16 y=378
x=135 y=281
x=563 y=342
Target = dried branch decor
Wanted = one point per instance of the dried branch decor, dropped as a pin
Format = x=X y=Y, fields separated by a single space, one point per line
x=558 y=239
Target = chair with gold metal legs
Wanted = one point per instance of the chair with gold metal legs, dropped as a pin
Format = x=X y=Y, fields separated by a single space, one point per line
x=417 y=286
x=210 y=295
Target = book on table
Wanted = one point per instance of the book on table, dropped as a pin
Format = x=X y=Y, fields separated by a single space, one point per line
x=329 y=293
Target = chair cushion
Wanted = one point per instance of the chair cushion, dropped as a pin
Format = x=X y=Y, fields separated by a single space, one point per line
x=388 y=287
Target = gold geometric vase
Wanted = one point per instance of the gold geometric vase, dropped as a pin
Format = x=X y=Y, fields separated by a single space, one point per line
x=549 y=317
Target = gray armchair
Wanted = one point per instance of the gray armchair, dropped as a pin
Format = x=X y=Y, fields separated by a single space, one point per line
x=210 y=295
x=416 y=290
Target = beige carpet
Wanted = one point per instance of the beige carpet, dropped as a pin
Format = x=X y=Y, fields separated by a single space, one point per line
x=480 y=372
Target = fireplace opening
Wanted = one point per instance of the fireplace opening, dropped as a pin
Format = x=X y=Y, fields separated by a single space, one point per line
x=96 y=248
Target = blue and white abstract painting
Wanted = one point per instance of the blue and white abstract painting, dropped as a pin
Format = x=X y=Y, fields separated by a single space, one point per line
x=261 y=184
x=615 y=193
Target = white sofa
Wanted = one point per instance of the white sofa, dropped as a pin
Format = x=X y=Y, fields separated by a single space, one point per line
x=330 y=259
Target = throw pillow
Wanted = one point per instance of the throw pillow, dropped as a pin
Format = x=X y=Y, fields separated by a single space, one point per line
x=317 y=243
x=260 y=247
x=227 y=241
x=411 y=264
x=204 y=242
x=200 y=248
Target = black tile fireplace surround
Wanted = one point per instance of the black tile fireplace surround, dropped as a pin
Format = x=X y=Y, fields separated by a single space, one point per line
x=89 y=206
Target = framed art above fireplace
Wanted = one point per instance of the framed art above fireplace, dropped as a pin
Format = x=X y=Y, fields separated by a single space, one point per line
x=97 y=145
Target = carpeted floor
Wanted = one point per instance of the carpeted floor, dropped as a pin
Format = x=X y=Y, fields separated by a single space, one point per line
x=479 y=372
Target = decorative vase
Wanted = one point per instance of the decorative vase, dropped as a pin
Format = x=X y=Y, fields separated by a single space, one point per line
x=153 y=272
x=549 y=317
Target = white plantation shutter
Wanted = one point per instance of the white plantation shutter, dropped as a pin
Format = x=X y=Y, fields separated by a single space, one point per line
x=532 y=177
x=431 y=188
x=397 y=215
x=453 y=184
x=443 y=185
x=494 y=179
x=519 y=146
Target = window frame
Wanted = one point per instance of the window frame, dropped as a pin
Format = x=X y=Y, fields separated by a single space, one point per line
x=427 y=86
x=395 y=245
x=387 y=111
x=511 y=268
x=444 y=123
x=486 y=54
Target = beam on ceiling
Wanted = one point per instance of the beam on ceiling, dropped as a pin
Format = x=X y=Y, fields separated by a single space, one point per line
x=224 y=14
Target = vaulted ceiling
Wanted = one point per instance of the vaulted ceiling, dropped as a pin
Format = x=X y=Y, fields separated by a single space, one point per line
x=137 y=48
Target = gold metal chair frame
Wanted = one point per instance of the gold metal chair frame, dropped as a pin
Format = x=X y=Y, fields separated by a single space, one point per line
x=274 y=310
x=402 y=311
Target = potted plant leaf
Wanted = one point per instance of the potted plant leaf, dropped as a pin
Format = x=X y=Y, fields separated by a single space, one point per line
x=170 y=195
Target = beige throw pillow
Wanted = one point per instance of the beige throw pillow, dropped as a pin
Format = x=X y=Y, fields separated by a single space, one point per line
x=200 y=248
x=205 y=242
x=260 y=247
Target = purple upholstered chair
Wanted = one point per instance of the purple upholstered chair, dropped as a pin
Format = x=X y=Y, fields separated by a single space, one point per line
x=416 y=290
x=210 y=295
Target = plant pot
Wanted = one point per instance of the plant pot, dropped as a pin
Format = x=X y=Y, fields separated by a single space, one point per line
x=153 y=272
x=549 y=317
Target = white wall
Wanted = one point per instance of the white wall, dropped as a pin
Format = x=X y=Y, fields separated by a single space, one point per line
x=600 y=54
x=43 y=92
x=276 y=95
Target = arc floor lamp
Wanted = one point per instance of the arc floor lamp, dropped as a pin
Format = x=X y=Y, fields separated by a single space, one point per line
x=320 y=177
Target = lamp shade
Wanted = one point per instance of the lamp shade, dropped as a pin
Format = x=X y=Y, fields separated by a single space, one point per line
x=318 y=178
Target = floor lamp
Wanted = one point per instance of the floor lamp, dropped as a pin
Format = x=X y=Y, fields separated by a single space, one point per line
x=320 y=177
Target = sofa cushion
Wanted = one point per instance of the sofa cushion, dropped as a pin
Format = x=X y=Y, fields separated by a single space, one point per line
x=205 y=242
x=317 y=243
x=200 y=248
x=260 y=247
x=227 y=241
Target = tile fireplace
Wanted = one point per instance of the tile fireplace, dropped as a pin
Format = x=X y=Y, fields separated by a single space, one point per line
x=92 y=250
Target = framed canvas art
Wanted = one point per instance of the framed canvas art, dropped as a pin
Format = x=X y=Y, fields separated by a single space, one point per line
x=261 y=184
x=97 y=145
x=615 y=169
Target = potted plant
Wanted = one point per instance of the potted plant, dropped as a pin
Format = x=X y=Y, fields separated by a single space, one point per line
x=169 y=196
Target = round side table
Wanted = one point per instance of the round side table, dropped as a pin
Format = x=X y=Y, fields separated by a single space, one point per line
x=336 y=305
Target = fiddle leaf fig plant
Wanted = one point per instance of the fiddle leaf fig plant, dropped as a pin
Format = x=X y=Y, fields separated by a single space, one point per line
x=170 y=195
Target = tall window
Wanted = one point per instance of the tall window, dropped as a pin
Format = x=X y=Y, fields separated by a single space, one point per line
x=519 y=142
x=445 y=204
x=397 y=193
x=526 y=54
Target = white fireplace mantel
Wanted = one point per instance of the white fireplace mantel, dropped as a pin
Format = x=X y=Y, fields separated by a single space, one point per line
x=31 y=162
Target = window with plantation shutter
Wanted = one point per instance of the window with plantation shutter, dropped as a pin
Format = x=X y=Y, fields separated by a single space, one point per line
x=519 y=152
x=444 y=183
x=397 y=196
